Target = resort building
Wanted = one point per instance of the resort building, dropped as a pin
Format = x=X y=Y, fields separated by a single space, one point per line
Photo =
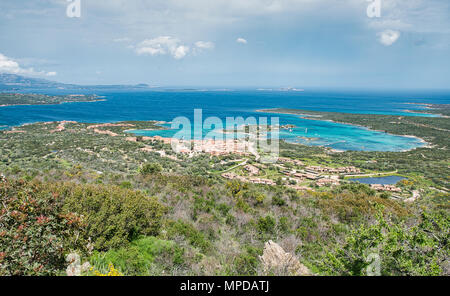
x=308 y=176
x=381 y=187
x=252 y=170
x=327 y=181
x=291 y=161
x=340 y=170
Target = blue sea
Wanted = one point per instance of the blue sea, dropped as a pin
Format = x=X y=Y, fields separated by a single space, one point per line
x=165 y=105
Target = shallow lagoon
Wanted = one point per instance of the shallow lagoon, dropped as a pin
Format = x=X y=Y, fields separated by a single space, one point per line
x=167 y=105
x=318 y=133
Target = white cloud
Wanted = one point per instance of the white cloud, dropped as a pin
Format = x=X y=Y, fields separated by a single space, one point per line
x=162 y=45
x=167 y=45
x=200 y=46
x=388 y=37
x=204 y=44
x=241 y=40
x=9 y=65
x=180 y=52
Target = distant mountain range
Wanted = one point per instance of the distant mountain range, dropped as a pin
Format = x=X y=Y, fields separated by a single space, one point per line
x=13 y=82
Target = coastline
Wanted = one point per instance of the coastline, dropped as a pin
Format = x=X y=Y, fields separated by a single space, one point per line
x=317 y=116
x=427 y=106
x=53 y=104
x=304 y=115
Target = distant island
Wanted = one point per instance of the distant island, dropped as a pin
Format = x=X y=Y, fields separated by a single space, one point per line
x=281 y=89
x=15 y=99
x=442 y=110
x=15 y=83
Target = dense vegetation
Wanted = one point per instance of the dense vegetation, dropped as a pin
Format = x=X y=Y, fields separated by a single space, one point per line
x=114 y=201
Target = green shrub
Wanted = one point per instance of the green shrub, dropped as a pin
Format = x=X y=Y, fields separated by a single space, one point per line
x=278 y=201
x=247 y=262
x=419 y=250
x=204 y=205
x=35 y=232
x=358 y=189
x=137 y=257
x=242 y=205
x=224 y=209
x=114 y=215
x=151 y=168
x=284 y=225
x=266 y=224
x=254 y=196
x=191 y=234
x=236 y=188
x=126 y=185
x=385 y=195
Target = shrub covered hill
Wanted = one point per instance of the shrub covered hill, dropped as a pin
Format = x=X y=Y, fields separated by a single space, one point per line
x=94 y=199
x=12 y=99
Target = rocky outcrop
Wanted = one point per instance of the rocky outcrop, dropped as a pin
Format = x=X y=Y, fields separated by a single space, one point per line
x=276 y=260
x=75 y=267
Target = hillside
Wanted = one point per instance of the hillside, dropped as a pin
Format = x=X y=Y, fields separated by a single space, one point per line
x=130 y=201
x=13 y=82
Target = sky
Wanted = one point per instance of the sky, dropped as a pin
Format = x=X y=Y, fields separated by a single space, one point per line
x=230 y=43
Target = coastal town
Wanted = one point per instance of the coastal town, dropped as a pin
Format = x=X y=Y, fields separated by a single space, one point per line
x=292 y=173
x=303 y=178
x=297 y=174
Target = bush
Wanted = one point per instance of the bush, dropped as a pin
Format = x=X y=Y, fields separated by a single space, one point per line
x=114 y=215
x=191 y=234
x=266 y=224
x=236 y=188
x=246 y=263
x=137 y=258
x=254 y=196
x=126 y=185
x=151 y=168
x=278 y=201
x=385 y=195
x=35 y=232
x=284 y=225
x=419 y=250
x=359 y=190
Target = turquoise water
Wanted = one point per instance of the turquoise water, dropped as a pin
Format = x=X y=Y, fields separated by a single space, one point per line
x=389 y=180
x=167 y=105
x=314 y=133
